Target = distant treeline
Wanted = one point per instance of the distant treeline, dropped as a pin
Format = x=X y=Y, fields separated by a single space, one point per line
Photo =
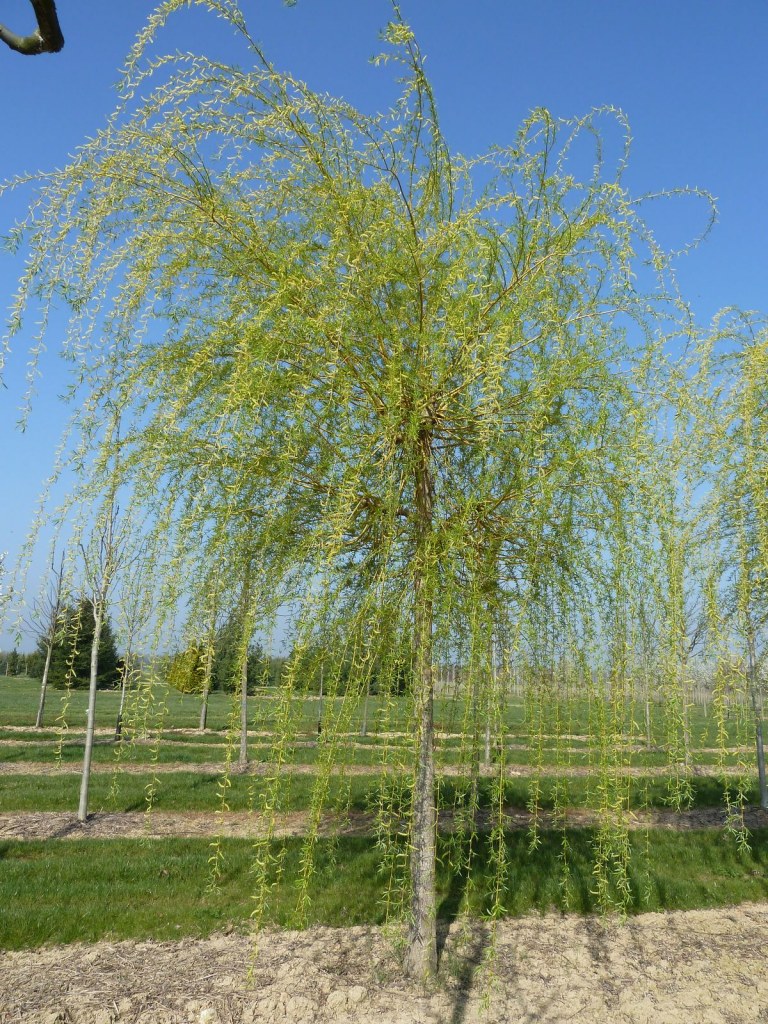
x=71 y=652
x=187 y=670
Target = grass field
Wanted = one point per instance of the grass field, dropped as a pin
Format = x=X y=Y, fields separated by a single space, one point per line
x=179 y=791
x=124 y=888
x=18 y=704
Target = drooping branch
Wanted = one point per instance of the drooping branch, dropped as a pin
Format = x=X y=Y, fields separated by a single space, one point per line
x=47 y=37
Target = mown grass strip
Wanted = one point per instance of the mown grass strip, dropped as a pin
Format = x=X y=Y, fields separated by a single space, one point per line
x=19 y=696
x=59 y=892
x=186 y=791
x=304 y=752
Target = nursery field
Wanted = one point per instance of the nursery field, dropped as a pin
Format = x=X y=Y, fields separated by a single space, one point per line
x=130 y=881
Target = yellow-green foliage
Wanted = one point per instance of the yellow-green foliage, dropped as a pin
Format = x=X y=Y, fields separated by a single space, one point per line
x=186 y=671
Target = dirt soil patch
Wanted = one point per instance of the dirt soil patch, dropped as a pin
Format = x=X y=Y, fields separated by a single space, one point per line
x=266 y=768
x=705 y=966
x=35 y=825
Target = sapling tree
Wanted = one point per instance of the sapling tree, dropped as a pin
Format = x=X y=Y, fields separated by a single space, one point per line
x=99 y=569
x=135 y=613
x=245 y=616
x=103 y=556
x=46 y=623
x=210 y=640
x=399 y=388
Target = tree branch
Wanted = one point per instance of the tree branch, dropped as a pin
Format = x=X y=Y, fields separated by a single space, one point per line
x=47 y=37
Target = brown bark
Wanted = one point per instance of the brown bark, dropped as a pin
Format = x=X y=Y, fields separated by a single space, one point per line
x=320 y=703
x=46 y=38
x=243 y=758
x=488 y=702
x=421 y=956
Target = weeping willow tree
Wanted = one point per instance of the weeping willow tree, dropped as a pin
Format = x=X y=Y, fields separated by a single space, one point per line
x=405 y=393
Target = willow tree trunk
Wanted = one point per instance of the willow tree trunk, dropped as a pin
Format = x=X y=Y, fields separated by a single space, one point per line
x=488 y=703
x=421 y=956
x=43 y=687
x=757 y=711
x=98 y=618
x=243 y=758
x=320 y=703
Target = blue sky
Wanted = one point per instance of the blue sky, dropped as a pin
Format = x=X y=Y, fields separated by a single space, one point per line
x=690 y=76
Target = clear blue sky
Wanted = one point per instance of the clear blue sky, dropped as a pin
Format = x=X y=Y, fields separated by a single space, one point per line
x=690 y=75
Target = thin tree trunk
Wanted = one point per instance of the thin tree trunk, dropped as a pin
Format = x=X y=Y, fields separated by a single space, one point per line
x=206 y=688
x=757 y=711
x=43 y=687
x=52 y=613
x=98 y=615
x=320 y=702
x=686 y=706
x=246 y=625
x=487 y=752
x=123 y=691
x=648 y=724
x=686 y=728
x=243 y=759
x=364 y=726
x=761 y=763
x=421 y=956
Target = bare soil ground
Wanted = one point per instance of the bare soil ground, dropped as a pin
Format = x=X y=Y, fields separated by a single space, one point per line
x=266 y=768
x=33 y=825
x=710 y=967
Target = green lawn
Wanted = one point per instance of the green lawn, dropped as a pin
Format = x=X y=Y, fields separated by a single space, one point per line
x=66 y=891
x=19 y=696
x=179 y=791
